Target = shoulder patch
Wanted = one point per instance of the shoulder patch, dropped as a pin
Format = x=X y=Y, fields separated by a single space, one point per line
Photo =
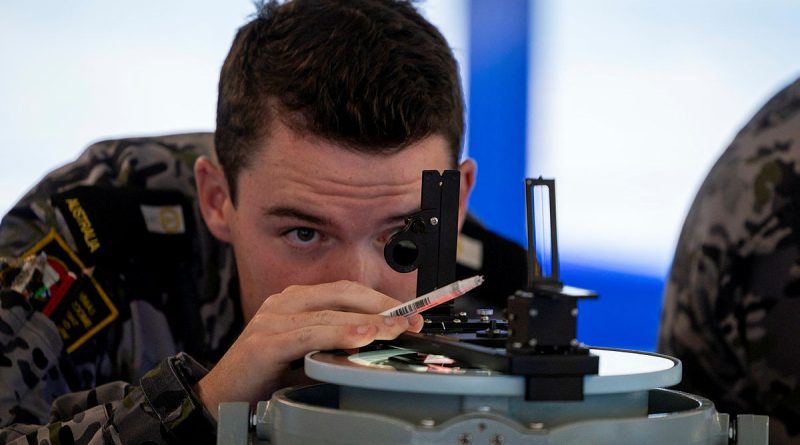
x=74 y=300
x=166 y=219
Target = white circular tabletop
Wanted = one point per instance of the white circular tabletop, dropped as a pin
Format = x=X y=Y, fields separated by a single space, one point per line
x=620 y=371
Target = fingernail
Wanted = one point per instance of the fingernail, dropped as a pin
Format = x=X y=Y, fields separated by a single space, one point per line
x=362 y=329
x=388 y=321
x=415 y=319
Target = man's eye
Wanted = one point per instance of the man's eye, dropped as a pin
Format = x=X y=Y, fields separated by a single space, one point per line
x=304 y=234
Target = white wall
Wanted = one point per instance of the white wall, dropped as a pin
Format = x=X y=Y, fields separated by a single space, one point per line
x=79 y=71
x=76 y=72
x=632 y=101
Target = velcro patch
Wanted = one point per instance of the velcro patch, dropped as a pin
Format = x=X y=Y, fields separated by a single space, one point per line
x=77 y=304
x=163 y=219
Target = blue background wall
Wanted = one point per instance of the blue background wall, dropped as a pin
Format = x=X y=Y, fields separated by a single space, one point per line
x=498 y=102
x=626 y=315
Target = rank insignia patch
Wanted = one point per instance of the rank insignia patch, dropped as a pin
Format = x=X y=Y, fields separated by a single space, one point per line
x=74 y=300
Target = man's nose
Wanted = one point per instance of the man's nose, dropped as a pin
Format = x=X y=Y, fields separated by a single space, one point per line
x=360 y=264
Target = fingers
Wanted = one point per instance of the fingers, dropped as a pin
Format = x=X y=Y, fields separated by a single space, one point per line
x=256 y=364
x=341 y=315
x=415 y=323
x=297 y=343
x=273 y=324
x=348 y=296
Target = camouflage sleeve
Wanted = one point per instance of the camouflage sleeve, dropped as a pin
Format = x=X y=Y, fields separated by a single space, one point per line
x=732 y=301
x=161 y=410
x=731 y=320
x=34 y=370
x=56 y=387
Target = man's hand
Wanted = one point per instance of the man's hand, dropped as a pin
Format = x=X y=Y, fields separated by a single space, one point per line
x=287 y=326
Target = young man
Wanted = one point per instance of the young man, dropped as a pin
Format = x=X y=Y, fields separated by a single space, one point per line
x=144 y=253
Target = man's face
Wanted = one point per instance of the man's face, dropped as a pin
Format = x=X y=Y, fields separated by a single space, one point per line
x=309 y=211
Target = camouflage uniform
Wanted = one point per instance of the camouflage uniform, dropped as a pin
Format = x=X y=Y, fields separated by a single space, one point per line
x=138 y=279
x=107 y=271
x=732 y=303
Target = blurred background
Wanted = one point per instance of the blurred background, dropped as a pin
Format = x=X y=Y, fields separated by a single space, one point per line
x=627 y=103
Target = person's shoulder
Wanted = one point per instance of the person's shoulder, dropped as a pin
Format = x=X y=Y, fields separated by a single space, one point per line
x=772 y=132
x=152 y=173
x=159 y=161
x=201 y=142
x=780 y=111
x=759 y=168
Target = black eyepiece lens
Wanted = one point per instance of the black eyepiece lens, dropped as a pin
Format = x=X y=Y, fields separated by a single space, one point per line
x=405 y=253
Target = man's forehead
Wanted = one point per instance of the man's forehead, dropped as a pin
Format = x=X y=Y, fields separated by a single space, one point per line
x=304 y=212
x=322 y=181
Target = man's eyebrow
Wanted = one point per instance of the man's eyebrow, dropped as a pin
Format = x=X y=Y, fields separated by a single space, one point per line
x=291 y=212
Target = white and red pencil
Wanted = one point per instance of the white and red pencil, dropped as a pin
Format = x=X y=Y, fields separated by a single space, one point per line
x=435 y=297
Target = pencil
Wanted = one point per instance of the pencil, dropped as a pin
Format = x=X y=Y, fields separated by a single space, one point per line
x=435 y=297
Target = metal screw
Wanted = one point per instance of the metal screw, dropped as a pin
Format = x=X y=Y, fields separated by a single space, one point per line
x=428 y=321
x=462 y=314
x=532 y=342
x=533 y=312
x=575 y=312
x=516 y=345
x=464 y=439
x=427 y=423
x=485 y=314
x=434 y=221
x=536 y=425
x=497 y=439
x=456 y=320
x=574 y=342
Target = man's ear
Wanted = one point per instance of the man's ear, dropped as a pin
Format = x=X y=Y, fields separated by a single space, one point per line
x=469 y=170
x=213 y=197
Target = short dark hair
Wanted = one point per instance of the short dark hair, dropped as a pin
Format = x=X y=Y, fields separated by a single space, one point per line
x=371 y=75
